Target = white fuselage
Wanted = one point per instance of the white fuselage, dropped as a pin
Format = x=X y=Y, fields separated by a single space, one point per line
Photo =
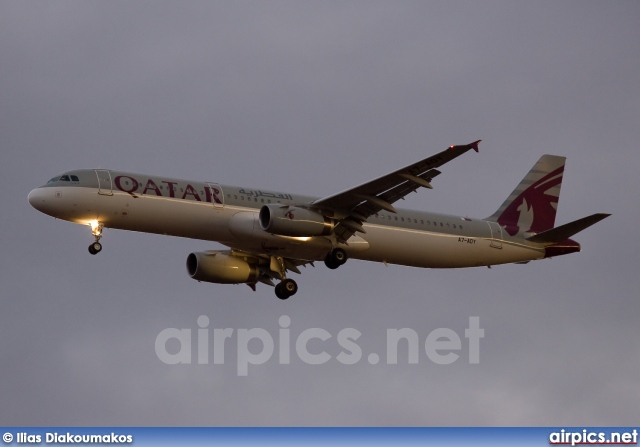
x=229 y=215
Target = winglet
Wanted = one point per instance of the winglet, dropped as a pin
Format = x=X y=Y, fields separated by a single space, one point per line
x=474 y=145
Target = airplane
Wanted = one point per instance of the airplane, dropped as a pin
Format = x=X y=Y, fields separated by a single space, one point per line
x=270 y=234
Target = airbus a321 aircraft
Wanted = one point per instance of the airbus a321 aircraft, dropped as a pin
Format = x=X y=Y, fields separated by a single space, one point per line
x=271 y=233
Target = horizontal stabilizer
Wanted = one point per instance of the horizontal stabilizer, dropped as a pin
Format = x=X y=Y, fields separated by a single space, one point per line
x=565 y=231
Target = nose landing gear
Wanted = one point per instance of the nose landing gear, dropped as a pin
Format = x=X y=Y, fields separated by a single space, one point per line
x=95 y=248
x=96 y=230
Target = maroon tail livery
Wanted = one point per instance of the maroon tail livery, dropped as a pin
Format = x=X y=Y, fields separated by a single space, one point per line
x=531 y=207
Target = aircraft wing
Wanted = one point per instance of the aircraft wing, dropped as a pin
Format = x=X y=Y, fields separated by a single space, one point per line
x=354 y=206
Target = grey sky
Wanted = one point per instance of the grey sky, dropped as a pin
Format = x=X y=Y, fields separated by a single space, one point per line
x=313 y=98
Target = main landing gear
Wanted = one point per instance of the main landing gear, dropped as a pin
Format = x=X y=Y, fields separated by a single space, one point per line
x=96 y=230
x=335 y=258
x=286 y=288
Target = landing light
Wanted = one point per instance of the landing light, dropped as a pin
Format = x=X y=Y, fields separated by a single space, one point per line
x=96 y=228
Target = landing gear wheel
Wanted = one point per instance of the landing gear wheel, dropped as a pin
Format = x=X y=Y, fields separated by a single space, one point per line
x=335 y=258
x=330 y=263
x=96 y=230
x=95 y=248
x=339 y=255
x=286 y=288
x=289 y=286
x=280 y=293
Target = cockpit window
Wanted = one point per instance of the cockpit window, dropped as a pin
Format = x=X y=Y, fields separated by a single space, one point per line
x=64 y=178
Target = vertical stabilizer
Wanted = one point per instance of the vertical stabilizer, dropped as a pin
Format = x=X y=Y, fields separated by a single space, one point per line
x=531 y=207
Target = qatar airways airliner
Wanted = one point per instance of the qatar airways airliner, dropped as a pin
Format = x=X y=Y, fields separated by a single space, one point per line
x=270 y=234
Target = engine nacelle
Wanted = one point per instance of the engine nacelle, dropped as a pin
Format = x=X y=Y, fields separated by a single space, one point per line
x=293 y=221
x=221 y=268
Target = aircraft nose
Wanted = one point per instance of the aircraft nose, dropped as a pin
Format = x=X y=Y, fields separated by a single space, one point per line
x=36 y=199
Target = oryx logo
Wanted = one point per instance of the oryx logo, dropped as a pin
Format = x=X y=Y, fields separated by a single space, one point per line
x=535 y=208
x=289 y=214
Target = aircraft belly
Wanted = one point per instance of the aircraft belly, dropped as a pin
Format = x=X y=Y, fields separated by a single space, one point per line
x=438 y=250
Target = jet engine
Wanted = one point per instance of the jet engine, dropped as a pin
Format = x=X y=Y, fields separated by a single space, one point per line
x=221 y=268
x=287 y=220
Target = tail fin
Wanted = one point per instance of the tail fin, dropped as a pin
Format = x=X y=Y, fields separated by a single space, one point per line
x=532 y=206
